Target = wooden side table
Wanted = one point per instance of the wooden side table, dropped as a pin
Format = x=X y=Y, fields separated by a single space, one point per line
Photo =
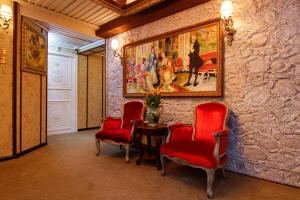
x=158 y=132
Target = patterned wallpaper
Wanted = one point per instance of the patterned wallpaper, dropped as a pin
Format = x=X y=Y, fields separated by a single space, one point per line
x=6 y=42
x=261 y=84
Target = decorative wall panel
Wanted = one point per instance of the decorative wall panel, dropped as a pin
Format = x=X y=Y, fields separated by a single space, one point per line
x=82 y=92
x=94 y=90
x=262 y=84
x=44 y=110
x=91 y=90
x=31 y=101
x=6 y=70
x=31 y=113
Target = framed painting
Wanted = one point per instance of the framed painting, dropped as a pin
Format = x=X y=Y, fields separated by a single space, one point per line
x=34 y=48
x=184 y=62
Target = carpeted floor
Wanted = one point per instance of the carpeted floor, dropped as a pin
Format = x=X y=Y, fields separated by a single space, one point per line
x=67 y=169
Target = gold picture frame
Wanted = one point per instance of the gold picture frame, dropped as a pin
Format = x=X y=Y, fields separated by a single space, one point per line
x=184 y=62
x=34 y=48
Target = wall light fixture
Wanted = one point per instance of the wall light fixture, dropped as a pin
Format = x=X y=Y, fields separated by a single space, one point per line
x=115 y=48
x=5 y=15
x=226 y=14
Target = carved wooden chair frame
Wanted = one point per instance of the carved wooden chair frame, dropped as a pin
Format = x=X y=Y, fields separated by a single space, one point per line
x=210 y=172
x=126 y=145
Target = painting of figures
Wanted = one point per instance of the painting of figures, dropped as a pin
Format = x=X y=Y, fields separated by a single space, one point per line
x=187 y=62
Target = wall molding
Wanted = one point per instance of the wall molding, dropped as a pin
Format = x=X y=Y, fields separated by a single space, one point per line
x=15 y=156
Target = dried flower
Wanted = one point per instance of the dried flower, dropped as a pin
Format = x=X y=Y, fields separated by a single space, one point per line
x=153 y=98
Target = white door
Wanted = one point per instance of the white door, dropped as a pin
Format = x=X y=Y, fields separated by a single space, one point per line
x=61 y=94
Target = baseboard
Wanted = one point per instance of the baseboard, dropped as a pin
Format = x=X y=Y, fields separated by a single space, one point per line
x=31 y=149
x=22 y=153
x=6 y=158
x=86 y=129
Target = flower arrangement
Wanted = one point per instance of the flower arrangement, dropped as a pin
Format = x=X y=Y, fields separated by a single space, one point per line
x=153 y=98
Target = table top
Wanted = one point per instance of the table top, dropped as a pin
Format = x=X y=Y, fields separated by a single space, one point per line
x=146 y=126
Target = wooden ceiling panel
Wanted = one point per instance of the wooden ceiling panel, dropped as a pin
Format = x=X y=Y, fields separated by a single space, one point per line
x=46 y=3
x=63 y=5
x=80 y=7
x=85 y=10
x=72 y=6
x=91 y=12
x=112 y=16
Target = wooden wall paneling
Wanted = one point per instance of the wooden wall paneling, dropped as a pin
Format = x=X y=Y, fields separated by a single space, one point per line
x=44 y=110
x=32 y=96
x=6 y=79
x=104 y=91
x=30 y=112
x=18 y=78
x=94 y=90
x=82 y=92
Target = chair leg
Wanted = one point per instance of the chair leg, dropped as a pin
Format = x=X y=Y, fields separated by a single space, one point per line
x=127 y=149
x=98 y=146
x=223 y=172
x=164 y=165
x=210 y=182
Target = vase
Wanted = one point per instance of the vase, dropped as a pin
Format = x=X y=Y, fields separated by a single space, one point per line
x=152 y=115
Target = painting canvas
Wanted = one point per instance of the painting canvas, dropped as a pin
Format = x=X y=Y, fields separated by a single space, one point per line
x=186 y=62
x=34 y=49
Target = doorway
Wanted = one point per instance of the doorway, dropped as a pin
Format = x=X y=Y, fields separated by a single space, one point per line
x=61 y=102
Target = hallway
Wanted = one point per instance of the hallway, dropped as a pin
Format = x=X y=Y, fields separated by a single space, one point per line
x=67 y=168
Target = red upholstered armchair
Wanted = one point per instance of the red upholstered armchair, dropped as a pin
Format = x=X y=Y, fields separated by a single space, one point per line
x=120 y=130
x=201 y=145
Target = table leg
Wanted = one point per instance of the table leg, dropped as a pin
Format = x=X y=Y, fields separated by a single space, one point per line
x=140 y=148
x=149 y=144
x=158 y=143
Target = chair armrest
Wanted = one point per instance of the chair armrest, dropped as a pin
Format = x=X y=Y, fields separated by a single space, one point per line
x=110 y=123
x=180 y=132
x=134 y=123
x=221 y=143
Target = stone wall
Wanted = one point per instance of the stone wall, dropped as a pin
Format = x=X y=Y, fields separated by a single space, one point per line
x=262 y=84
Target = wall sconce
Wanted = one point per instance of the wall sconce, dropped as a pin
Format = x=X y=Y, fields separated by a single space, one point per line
x=226 y=14
x=115 y=47
x=5 y=15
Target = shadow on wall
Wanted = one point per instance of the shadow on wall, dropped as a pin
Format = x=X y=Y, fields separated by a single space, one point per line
x=233 y=149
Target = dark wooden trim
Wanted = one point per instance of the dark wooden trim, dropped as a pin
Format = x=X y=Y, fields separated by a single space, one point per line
x=32 y=149
x=85 y=129
x=2 y=159
x=14 y=78
x=134 y=5
x=23 y=152
x=156 y=12
x=111 y=5
x=41 y=108
x=217 y=93
x=102 y=88
x=87 y=92
x=21 y=88
x=46 y=123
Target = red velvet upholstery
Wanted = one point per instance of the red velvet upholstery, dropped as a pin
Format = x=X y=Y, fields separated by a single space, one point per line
x=196 y=144
x=112 y=123
x=210 y=117
x=181 y=132
x=119 y=129
x=132 y=111
x=195 y=153
x=117 y=135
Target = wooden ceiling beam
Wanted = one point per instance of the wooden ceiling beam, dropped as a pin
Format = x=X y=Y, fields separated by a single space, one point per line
x=161 y=10
x=111 y=5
